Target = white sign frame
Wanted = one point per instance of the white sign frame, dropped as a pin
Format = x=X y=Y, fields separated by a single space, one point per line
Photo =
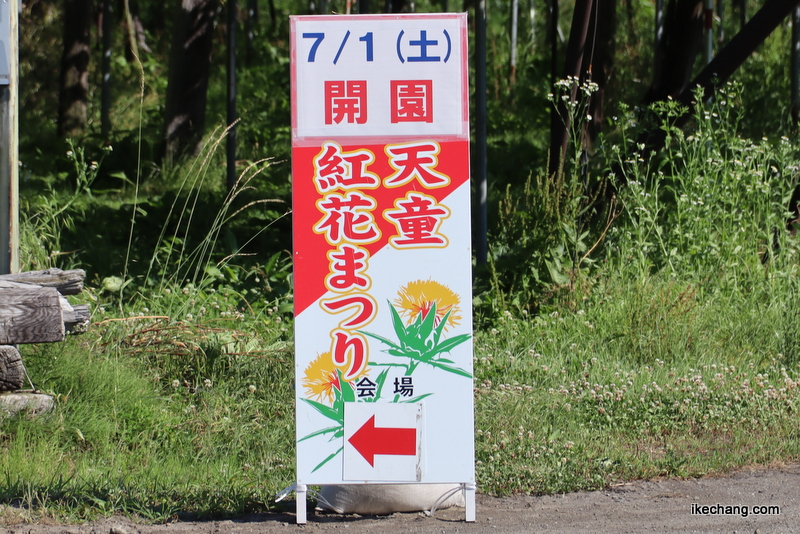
x=384 y=100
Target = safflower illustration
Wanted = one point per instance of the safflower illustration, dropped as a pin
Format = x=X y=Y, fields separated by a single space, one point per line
x=322 y=378
x=324 y=381
x=429 y=308
x=421 y=296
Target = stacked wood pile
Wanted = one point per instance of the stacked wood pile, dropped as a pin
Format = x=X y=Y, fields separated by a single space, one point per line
x=34 y=309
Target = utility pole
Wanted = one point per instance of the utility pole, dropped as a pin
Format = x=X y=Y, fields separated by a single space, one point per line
x=479 y=169
x=9 y=159
x=105 y=92
x=514 y=19
x=796 y=65
x=232 y=117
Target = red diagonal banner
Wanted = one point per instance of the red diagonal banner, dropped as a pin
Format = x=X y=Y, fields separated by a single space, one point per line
x=311 y=247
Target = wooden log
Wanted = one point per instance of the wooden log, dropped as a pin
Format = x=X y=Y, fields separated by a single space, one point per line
x=12 y=371
x=75 y=316
x=66 y=282
x=28 y=401
x=30 y=314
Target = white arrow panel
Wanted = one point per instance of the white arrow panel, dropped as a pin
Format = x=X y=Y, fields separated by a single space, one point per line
x=401 y=424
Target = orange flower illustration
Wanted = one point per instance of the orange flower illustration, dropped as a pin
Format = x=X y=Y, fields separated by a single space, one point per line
x=321 y=378
x=419 y=297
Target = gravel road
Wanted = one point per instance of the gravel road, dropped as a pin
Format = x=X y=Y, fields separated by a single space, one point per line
x=757 y=500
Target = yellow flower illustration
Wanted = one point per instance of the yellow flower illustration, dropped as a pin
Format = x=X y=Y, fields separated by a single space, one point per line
x=419 y=297
x=321 y=378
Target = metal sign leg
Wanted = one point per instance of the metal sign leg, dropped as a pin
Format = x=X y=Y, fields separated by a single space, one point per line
x=469 y=501
x=301 y=490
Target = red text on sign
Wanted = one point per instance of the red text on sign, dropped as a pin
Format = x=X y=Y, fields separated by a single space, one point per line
x=417 y=218
x=349 y=351
x=346 y=101
x=348 y=266
x=348 y=218
x=415 y=161
x=412 y=101
x=335 y=169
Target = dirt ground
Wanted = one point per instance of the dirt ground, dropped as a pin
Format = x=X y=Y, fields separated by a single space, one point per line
x=644 y=506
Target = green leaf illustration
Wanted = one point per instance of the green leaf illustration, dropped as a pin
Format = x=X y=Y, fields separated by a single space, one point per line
x=348 y=395
x=322 y=432
x=328 y=459
x=450 y=344
x=327 y=411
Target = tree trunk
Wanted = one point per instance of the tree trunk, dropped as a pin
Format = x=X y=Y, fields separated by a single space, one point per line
x=250 y=30
x=599 y=57
x=552 y=38
x=74 y=80
x=560 y=121
x=230 y=142
x=730 y=58
x=189 y=66
x=683 y=36
x=136 y=41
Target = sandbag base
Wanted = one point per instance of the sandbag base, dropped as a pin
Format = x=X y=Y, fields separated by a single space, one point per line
x=378 y=499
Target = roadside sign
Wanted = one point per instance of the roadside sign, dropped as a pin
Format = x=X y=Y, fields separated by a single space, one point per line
x=382 y=257
x=5 y=42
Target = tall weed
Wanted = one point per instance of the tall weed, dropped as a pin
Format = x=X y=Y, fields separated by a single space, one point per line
x=712 y=206
x=547 y=227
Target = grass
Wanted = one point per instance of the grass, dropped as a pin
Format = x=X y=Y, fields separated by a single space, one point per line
x=161 y=419
x=208 y=424
x=596 y=396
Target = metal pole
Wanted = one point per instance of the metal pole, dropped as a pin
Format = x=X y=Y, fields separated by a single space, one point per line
x=105 y=97
x=742 y=13
x=659 y=40
x=553 y=35
x=796 y=65
x=482 y=248
x=708 y=53
x=514 y=16
x=231 y=140
x=9 y=166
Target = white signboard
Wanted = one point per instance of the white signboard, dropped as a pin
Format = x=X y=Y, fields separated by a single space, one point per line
x=382 y=257
x=5 y=43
